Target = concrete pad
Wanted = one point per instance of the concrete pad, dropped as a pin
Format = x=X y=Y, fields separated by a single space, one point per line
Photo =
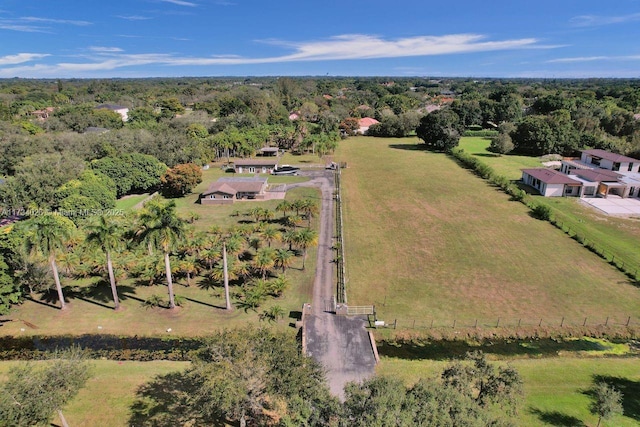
x=615 y=206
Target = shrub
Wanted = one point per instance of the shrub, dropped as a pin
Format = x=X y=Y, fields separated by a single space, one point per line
x=542 y=212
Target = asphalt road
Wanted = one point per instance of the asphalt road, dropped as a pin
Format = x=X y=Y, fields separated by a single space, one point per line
x=341 y=344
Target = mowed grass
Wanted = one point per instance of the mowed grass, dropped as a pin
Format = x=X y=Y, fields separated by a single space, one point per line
x=618 y=237
x=427 y=239
x=127 y=203
x=203 y=311
x=555 y=389
x=108 y=395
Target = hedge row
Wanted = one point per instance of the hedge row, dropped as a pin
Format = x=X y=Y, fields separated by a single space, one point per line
x=111 y=347
x=538 y=210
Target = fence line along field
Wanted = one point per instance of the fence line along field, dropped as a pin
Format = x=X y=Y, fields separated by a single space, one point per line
x=428 y=239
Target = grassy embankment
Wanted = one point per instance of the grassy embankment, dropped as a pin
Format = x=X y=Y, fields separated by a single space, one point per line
x=428 y=241
x=90 y=306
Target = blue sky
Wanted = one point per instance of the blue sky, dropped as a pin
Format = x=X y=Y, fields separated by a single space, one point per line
x=155 y=38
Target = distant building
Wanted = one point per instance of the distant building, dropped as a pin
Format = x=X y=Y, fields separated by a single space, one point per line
x=123 y=111
x=365 y=123
x=43 y=114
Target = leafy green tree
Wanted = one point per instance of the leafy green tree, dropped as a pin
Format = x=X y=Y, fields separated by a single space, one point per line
x=34 y=391
x=264 y=261
x=607 y=402
x=180 y=180
x=501 y=144
x=245 y=376
x=164 y=230
x=107 y=234
x=440 y=130
x=10 y=292
x=47 y=235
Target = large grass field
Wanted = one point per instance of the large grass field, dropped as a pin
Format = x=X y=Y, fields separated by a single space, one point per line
x=555 y=389
x=90 y=310
x=617 y=237
x=106 y=399
x=427 y=239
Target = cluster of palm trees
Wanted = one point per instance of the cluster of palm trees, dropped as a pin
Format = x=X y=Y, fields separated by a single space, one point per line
x=156 y=244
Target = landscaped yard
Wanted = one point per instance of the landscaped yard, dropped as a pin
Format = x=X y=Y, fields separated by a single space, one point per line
x=90 y=309
x=554 y=388
x=429 y=240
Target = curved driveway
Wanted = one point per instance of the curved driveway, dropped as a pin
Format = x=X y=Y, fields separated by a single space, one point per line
x=340 y=343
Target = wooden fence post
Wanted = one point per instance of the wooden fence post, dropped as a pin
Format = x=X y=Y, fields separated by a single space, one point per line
x=562 y=322
x=498 y=322
x=454 y=323
x=585 y=322
x=540 y=324
x=519 y=320
x=606 y=323
x=628 y=320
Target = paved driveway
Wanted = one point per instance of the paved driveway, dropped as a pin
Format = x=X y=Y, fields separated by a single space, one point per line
x=614 y=205
x=341 y=344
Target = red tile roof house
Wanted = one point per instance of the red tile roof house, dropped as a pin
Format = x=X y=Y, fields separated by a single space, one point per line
x=364 y=124
x=255 y=165
x=551 y=183
x=226 y=191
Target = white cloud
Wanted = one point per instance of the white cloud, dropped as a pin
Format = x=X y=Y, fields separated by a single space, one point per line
x=180 y=2
x=103 y=49
x=21 y=58
x=344 y=47
x=14 y=26
x=55 y=21
x=594 y=20
x=595 y=59
x=134 y=17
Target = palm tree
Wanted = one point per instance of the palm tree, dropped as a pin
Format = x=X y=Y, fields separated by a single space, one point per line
x=164 y=229
x=107 y=235
x=47 y=235
x=298 y=206
x=289 y=237
x=264 y=261
x=270 y=233
x=225 y=268
x=189 y=267
x=305 y=239
x=283 y=259
x=284 y=207
x=310 y=209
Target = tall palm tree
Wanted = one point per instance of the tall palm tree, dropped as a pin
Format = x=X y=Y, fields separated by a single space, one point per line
x=47 y=235
x=106 y=234
x=283 y=259
x=305 y=239
x=225 y=268
x=165 y=230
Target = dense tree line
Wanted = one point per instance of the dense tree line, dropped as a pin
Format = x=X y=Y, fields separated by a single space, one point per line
x=259 y=377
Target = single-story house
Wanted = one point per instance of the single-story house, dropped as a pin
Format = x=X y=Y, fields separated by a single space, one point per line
x=550 y=182
x=227 y=190
x=255 y=165
x=365 y=123
x=123 y=111
x=43 y=114
x=269 y=151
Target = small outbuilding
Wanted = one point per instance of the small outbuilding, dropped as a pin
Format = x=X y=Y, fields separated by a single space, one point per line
x=255 y=165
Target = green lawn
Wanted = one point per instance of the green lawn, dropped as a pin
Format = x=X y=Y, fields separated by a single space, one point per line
x=108 y=395
x=618 y=237
x=127 y=203
x=429 y=240
x=554 y=388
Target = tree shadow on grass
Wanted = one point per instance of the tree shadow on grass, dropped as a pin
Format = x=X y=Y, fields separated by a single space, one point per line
x=204 y=303
x=46 y=300
x=556 y=418
x=410 y=147
x=99 y=293
x=630 y=393
x=166 y=401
